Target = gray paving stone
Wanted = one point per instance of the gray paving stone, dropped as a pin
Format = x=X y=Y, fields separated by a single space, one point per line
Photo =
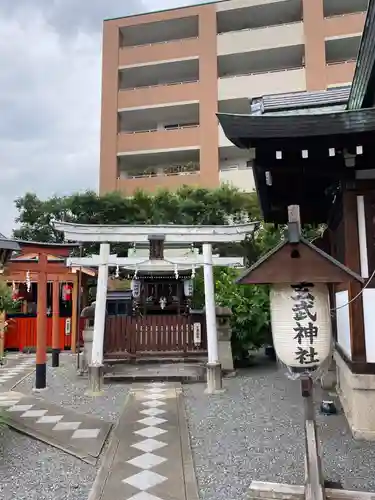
x=80 y=435
x=16 y=368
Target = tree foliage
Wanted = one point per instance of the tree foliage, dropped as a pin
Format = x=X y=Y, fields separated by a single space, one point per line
x=185 y=206
x=7 y=304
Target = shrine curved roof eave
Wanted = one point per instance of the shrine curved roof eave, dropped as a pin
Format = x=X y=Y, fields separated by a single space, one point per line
x=46 y=244
x=241 y=130
x=9 y=244
x=240 y=280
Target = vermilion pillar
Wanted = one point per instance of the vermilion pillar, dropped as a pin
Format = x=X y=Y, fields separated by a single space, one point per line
x=55 y=323
x=41 y=337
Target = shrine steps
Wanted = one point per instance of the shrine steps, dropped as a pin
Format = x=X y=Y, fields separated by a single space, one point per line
x=151 y=359
x=156 y=371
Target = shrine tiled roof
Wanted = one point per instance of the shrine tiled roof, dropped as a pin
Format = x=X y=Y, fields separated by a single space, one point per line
x=308 y=102
x=8 y=244
x=245 y=130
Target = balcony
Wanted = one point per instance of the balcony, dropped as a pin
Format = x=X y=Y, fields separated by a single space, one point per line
x=260 y=39
x=342 y=49
x=253 y=74
x=234 y=16
x=339 y=26
x=235 y=168
x=176 y=49
x=165 y=73
x=259 y=61
x=158 y=95
x=160 y=31
x=259 y=84
x=341 y=7
x=159 y=118
x=340 y=73
x=153 y=171
x=223 y=140
x=154 y=140
x=238 y=177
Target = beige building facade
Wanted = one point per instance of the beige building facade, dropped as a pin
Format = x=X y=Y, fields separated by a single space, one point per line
x=166 y=75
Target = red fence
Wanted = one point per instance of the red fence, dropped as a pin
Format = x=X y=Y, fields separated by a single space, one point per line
x=21 y=333
x=130 y=336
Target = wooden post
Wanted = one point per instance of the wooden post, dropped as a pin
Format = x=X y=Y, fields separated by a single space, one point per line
x=75 y=312
x=55 y=323
x=352 y=260
x=314 y=482
x=2 y=335
x=41 y=337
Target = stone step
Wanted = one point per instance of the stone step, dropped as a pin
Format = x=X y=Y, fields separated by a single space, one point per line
x=156 y=360
x=173 y=372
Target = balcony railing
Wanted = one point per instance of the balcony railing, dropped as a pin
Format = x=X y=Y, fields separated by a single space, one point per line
x=344 y=61
x=158 y=43
x=260 y=27
x=345 y=15
x=164 y=129
x=263 y=72
x=173 y=170
x=236 y=166
x=166 y=84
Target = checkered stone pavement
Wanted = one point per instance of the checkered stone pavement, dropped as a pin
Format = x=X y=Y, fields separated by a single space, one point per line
x=16 y=368
x=76 y=433
x=149 y=464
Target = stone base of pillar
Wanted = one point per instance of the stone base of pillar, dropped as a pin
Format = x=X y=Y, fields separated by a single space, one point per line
x=328 y=380
x=96 y=374
x=40 y=376
x=214 y=379
x=55 y=358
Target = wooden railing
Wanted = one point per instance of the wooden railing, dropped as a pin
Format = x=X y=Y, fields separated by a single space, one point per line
x=132 y=336
x=22 y=331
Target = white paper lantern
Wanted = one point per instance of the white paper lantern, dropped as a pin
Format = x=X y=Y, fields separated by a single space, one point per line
x=301 y=324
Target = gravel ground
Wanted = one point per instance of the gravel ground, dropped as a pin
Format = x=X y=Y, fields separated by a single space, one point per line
x=32 y=470
x=254 y=431
x=65 y=387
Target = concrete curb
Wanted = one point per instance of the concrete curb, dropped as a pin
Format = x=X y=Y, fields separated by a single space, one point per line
x=97 y=488
x=22 y=379
x=260 y=490
x=40 y=437
x=191 y=485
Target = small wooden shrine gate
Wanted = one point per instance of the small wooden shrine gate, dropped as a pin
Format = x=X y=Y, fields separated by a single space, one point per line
x=60 y=293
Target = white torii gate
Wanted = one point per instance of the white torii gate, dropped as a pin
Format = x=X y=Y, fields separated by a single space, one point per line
x=105 y=234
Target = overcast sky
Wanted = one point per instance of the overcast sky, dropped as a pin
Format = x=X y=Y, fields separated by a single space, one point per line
x=50 y=53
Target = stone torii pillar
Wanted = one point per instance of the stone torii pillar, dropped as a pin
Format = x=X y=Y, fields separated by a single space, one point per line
x=96 y=368
x=214 y=374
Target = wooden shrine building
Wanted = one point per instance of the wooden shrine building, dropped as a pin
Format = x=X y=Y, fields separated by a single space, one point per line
x=321 y=156
x=23 y=273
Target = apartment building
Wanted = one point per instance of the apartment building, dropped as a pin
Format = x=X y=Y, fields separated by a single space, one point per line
x=166 y=75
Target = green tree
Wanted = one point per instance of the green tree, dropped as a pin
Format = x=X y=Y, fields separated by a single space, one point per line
x=185 y=206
